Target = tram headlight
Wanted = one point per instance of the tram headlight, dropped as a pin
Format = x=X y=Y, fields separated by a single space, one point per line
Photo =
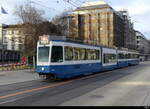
x=42 y=68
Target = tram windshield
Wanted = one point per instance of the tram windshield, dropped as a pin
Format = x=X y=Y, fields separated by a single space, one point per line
x=43 y=54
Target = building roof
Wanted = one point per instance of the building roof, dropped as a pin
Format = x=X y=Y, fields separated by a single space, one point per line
x=93 y=5
x=140 y=34
x=103 y=6
x=3 y=26
x=83 y=9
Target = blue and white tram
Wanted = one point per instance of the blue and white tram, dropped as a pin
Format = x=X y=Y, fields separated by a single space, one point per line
x=60 y=59
x=65 y=60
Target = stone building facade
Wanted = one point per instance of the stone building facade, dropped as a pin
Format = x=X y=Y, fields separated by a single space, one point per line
x=143 y=44
x=129 y=32
x=12 y=38
x=98 y=23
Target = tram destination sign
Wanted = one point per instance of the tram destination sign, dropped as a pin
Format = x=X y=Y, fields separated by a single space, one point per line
x=44 y=39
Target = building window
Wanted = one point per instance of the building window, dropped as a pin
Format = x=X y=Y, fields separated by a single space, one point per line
x=10 y=32
x=12 y=47
x=5 y=39
x=16 y=32
x=19 y=32
x=13 y=32
x=4 y=32
x=103 y=16
x=13 y=39
x=111 y=15
x=20 y=40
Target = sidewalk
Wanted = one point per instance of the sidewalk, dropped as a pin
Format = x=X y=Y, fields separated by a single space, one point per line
x=9 y=77
x=12 y=67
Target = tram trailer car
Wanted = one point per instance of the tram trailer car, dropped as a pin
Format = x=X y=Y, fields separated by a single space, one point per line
x=122 y=58
x=133 y=58
x=60 y=59
x=109 y=59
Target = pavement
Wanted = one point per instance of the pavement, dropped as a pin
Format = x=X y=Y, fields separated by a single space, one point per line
x=128 y=86
x=131 y=90
x=10 y=77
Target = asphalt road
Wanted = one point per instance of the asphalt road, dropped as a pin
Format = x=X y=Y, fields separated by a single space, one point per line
x=129 y=86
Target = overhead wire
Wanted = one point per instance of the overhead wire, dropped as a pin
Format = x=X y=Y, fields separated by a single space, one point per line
x=75 y=2
x=44 y=6
x=70 y=2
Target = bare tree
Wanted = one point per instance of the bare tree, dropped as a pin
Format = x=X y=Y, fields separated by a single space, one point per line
x=30 y=18
x=63 y=21
x=29 y=14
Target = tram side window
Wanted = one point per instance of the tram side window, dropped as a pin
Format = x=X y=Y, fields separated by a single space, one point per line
x=88 y=54
x=82 y=54
x=128 y=56
x=109 y=58
x=93 y=54
x=76 y=54
x=57 y=54
x=68 y=53
x=97 y=54
x=132 y=55
x=121 y=56
x=135 y=56
x=0 y=56
x=125 y=56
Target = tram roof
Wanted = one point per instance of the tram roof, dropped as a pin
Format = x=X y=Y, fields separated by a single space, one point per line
x=75 y=41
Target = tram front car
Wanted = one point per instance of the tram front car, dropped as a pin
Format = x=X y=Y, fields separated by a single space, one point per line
x=47 y=55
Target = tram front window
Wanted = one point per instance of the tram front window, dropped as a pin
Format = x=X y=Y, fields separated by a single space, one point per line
x=57 y=54
x=43 y=54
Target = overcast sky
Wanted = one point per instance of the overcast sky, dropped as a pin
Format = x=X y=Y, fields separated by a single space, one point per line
x=139 y=10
